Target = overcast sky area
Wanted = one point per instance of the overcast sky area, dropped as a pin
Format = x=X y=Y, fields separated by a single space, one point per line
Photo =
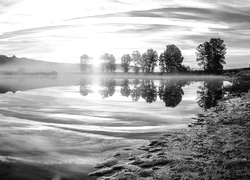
x=63 y=30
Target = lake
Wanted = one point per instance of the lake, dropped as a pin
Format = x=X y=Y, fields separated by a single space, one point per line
x=60 y=127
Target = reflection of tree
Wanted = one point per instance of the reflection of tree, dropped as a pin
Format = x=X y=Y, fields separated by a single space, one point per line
x=209 y=94
x=148 y=91
x=171 y=92
x=125 y=89
x=107 y=87
x=136 y=91
x=5 y=89
x=85 y=87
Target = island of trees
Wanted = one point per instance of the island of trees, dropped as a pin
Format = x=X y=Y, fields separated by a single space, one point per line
x=210 y=57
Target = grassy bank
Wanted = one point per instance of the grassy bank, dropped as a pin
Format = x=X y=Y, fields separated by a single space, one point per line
x=215 y=146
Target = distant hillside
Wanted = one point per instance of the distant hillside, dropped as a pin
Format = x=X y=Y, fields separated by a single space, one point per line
x=30 y=65
x=236 y=70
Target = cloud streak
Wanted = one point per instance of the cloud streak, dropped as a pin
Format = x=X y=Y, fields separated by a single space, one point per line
x=120 y=26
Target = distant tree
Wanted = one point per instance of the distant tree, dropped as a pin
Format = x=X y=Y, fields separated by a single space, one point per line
x=125 y=89
x=125 y=62
x=149 y=60
x=185 y=68
x=171 y=59
x=108 y=63
x=211 y=55
x=85 y=63
x=137 y=60
x=5 y=59
x=144 y=63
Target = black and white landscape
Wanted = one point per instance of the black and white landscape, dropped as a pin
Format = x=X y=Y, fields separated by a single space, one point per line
x=119 y=89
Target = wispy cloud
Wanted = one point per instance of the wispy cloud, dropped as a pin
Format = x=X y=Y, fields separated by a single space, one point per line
x=72 y=28
x=32 y=31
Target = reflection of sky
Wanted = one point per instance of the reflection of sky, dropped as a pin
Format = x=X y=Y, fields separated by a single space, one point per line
x=57 y=125
x=69 y=29
x=66 y=103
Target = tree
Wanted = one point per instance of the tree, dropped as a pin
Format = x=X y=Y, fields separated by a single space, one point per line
x=185 y=69
x=136 y=59
x=144 y=62
x=125 y=62
x=161 y=63
x=84 y=63
x=149 y=60
x=8 y=60
x=211 y=55
x=171 y=59
x=108 y=63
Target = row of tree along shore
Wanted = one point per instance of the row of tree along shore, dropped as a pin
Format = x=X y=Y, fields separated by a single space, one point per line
x=210 y=57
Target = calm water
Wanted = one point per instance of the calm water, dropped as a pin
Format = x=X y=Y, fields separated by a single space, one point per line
x=59 y=128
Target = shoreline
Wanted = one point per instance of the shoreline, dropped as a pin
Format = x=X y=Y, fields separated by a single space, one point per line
x=215 y=146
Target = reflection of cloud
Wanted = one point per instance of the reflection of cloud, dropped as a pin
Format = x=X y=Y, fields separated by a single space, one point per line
x=119 y=27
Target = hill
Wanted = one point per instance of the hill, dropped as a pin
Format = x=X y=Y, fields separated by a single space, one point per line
x=15 y=64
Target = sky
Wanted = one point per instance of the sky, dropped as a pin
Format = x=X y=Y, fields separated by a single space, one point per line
x=63 y=30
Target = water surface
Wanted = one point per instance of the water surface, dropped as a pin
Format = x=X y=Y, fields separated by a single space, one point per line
x=57 y=129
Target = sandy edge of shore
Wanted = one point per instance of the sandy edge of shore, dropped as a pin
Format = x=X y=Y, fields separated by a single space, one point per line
x=215 y=146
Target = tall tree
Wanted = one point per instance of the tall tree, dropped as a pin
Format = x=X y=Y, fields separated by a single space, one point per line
x=161 y=63
x=108 y=63
x=144 y=63
x=125 y=62
x=149 y=59
x=211 y=55
x=171 y=59
x=136 y=59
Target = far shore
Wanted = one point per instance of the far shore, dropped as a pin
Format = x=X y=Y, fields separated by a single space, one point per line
x=156 y=76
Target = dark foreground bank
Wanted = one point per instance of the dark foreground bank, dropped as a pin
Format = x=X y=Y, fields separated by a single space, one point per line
x=215 y=146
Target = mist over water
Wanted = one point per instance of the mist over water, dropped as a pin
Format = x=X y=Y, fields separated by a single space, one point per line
x=61 y=126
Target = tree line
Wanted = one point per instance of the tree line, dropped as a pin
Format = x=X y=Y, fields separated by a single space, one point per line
x=209 y=55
